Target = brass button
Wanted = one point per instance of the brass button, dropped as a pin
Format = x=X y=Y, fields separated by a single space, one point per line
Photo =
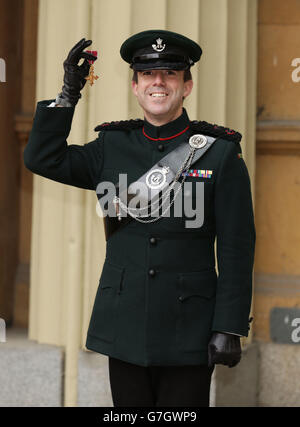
x=160 y=147
x=151 y=272
x=152 y=240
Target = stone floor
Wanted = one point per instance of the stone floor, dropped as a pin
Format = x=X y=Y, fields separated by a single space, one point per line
x=32 y=374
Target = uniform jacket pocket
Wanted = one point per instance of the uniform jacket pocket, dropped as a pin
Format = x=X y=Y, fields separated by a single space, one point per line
x=201 y=284
x=196 y=299
x=103 y=319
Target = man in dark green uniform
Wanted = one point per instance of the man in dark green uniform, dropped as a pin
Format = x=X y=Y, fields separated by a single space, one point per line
x=161 y=313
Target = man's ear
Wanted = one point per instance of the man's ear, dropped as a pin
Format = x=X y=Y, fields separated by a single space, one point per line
x=134 y=87
x=188 y=86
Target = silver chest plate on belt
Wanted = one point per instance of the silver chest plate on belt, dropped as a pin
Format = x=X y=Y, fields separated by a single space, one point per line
x=156 y=178
x=197 y=141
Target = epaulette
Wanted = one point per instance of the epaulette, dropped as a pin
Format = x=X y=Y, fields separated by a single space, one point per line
x=215 y=130
x=121 y=125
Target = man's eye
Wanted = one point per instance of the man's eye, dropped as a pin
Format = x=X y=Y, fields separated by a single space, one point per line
x=147 y=73
x=171 y=72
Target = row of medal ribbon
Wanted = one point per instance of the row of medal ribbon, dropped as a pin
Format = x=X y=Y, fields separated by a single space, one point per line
x=198 y=173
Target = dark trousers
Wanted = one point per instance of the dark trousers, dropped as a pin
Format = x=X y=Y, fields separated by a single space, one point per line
x=133 y=385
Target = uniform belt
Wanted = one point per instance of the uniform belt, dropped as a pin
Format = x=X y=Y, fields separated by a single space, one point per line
x=170 y=163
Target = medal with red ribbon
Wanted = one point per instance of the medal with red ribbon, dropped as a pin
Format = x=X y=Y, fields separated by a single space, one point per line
x=91 y=77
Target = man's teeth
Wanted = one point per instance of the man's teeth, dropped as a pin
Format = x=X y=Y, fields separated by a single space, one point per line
x=158 y=94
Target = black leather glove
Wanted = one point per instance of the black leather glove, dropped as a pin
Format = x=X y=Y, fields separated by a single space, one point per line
x=74 y=77
x=224 y=349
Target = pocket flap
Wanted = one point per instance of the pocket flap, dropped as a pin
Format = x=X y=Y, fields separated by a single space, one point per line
x=111 y=276
x=201 y=284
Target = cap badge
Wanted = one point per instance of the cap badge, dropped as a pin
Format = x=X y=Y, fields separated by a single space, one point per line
x=159 y=47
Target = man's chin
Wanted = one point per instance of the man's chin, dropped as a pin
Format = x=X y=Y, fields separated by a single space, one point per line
x=158 y=110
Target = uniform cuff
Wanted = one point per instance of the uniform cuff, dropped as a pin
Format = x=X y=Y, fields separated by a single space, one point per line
x=53 y=120
x=230 y=333
x=53 y=104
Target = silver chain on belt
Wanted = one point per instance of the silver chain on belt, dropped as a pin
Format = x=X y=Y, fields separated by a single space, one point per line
x=138 y=216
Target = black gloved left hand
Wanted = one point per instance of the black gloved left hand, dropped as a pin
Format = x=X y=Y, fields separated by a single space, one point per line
x=224 y=349
x=74 y=76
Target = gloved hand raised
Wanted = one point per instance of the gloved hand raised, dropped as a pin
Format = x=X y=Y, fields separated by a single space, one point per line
x=74 y=77
x=224 y=349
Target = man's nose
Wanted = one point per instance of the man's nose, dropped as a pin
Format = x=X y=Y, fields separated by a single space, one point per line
x=159 y=78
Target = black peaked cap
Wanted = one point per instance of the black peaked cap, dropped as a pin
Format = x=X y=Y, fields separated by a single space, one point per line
x=160 y=49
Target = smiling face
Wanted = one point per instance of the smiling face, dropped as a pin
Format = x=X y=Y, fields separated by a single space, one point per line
x=160 y=94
